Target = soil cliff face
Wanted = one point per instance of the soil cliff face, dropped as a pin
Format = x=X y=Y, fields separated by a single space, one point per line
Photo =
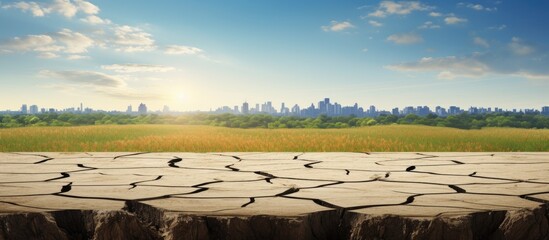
x=142 y=221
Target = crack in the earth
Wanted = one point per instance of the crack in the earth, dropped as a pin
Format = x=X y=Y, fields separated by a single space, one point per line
x=66 y=188
x=172 y=162
x=457 y=189
x=131 y=154
x=43 y=161
x=230 y=166
x=63 y=175
x=134 y=184
x=252 y=200
x=310 y=165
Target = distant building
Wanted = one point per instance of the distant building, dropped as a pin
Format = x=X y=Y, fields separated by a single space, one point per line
x=322 y=107
x=395 y=112
x=440 y=111
x=453 y=110
x=423 y=111
x=142 y=109
x=296 y=110
x=372 y=111
x=268 y=108
x=166 y=109
x=245 y=108
x=33 y=109
x=545 y=110
x=408 y=110
x=337 y=109
x=129 y=109
x=24 y=109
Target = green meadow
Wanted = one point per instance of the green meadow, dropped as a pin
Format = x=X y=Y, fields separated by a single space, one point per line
x=188 y=138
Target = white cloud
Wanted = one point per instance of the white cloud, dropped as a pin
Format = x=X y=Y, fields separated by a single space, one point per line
x=105 y=84
x=386 y=8
x=473 y=66
x=88 y=78
x=64 y=41
x=498 y=28
x=446 y=75
x=182 y=50
x=364 y=50
x=131 y=94
x=481 y=42
x=95 y=20
x=131 y=68
x=454 y=20
x=49 y=48
x=47 y=55
x=478 y=7
x=28 y=43
x=132 y=39
x=33 y=7
x=375 y=23
x=406 y=38
x=435 y=14
x=532 y=76
x=448 y=67
x=75 y=42
x=77 y=57
x=377 y=13
x=87 y=7
x=66 y=8
x=518 y=47
x=336 y=26
x=429 y=25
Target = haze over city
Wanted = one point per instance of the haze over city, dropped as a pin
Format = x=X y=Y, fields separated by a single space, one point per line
x=199 y=55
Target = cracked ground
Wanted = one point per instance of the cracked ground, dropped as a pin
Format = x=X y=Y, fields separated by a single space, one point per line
x=422 y=185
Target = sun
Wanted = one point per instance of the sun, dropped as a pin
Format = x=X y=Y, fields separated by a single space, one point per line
x=180 y=97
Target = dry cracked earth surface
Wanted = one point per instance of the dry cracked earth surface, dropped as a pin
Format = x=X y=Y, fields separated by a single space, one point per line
x=274 y=195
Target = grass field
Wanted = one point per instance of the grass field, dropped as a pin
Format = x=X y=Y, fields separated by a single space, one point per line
x=159 y=138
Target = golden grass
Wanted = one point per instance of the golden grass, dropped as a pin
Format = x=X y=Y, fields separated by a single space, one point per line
x=160 y=138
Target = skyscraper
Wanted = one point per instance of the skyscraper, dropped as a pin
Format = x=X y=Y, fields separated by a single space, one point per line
x=296 y=110
x=395 y=111
x=337 y=109
x=372 y=111
x=545 y=110
x=322 y=107
x=268 y=108
x=142 y=109
x=24 y=109
x=33 y=109
x=245 y=108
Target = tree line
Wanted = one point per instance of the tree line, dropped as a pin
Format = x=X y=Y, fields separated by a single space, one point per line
x=462 y=121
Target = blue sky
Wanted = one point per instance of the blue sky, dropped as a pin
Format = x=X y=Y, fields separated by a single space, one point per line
x=197 y=55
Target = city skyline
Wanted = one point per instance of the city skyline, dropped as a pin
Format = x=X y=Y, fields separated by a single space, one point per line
x=323 y=107
x=196 y=55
